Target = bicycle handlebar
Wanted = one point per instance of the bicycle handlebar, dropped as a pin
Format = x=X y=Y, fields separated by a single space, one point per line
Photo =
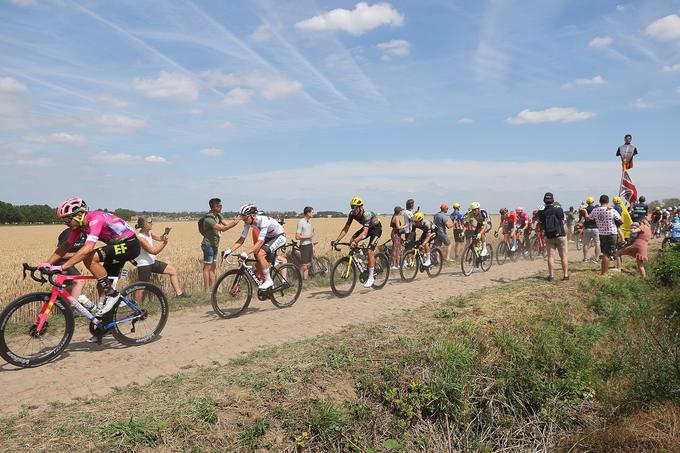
x=43 y=272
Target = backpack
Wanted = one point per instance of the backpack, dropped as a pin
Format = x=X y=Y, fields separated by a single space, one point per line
x=201 y=225
x=551 y=226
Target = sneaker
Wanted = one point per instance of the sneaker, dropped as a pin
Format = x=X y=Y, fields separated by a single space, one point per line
x=183 y=296
x=566 y=277
x=369 y=282
x=396 y=268
x=102 y=308
x=484 y=252
x=267 y=284
x=92 y=339
x=427 y=262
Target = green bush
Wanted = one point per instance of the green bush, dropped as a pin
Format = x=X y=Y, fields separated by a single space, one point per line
x=326 y=420
x=666 y=268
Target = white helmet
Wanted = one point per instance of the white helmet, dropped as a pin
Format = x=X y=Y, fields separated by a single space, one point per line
x=474 y=205
x=248 y=209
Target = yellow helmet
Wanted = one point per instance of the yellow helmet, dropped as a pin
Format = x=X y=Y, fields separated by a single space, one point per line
x=590 y=200
x=617 y=200
x=356 y=201
x=418 y=216
x=456 y=205
x=658 y=208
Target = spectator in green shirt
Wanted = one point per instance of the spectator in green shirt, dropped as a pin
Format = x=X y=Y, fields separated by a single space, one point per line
x=213 y=226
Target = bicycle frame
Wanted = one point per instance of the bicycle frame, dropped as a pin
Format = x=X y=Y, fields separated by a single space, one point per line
x=249 y=272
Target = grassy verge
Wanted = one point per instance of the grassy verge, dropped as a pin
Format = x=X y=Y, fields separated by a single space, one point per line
x=590 y=363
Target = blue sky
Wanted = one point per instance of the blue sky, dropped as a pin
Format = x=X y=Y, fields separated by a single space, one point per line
x=161 y=105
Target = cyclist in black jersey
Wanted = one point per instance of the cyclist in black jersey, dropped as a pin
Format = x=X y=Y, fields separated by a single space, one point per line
x=371 y=228
x=482 y=223
x=428 y=235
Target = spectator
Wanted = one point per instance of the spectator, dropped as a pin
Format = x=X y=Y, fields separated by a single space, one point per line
x=147 y=263
x=408 y=219
x=590 y=232
x=76 y=286
x=211 y=227
x=626 y=152
x=606 y=217
x=457 y=218
x=639 y=210
x=571 y=221
x=304 y=234
x=638 y=249
x=442 y=223
x=398 y=224
x=552 y=221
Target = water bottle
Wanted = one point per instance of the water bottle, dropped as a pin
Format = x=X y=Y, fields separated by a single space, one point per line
x=85 y=302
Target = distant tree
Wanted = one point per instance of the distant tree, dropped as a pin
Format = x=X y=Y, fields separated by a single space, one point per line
x=125 y=214
x=671 y=201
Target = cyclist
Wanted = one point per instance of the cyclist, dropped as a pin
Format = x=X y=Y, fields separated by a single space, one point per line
x=656 y=219
x=458 y=218
x=523 y=225
x=478 y=219
x=665 y=218
x=428 y=235
x=507 y=223
x=371 y=228
x=270 y=238
x=121 y=246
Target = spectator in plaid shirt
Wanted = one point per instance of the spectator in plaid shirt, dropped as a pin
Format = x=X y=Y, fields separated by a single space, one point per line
x=606 y=217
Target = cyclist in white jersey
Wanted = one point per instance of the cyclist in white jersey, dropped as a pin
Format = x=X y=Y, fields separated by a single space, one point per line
x=271 y=237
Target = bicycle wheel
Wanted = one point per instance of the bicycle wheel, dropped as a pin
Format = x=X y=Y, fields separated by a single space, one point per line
x=513 y=254
x=485 y=262
x=409 y=265
x=381 y=271
x=436 y=262
x=20 y=345
x=343 y=277
x=502 y=253
x=287 y=285
x=231 y=294
x=467 y=261
x=153 y=304
x=320 y=266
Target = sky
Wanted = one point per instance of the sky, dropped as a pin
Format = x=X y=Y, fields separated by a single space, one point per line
x=162 y=104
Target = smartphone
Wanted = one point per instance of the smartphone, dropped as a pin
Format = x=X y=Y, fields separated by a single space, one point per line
x=167 y=230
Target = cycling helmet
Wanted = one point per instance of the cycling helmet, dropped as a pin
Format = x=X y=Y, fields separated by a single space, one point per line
x=456 y=205
x=503 y=211
x=248 y=209
x=519 y=210
x=658 y=208
x=444 y=207
x=590 y=200
x=418 y=216
x=474 y=205
x=71 y=207
x=676 y=219
x=356 y=202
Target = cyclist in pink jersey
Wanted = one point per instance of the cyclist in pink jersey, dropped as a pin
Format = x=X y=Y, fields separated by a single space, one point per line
x=121 y=246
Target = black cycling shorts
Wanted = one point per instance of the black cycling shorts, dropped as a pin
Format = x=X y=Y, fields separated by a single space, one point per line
x=114 y=256
x=144 y=272
x=374 y=233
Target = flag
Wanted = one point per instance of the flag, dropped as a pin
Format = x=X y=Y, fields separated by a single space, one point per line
x=628 y=190
x=627 y=221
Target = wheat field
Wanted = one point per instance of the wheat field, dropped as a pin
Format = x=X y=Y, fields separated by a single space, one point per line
x=35 y=243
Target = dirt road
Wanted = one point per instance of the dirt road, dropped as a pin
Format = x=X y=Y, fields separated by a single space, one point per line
x=198 y=337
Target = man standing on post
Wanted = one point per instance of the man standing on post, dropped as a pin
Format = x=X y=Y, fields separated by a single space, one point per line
x=211 y=227
x=605 y=217
x=408 y=217
x=442 y=222
x=552 y=221
x=304 y=234
x=626 y=152
x=590 y=232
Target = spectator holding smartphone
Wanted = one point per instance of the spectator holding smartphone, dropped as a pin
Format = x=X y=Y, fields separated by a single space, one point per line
x=304 y=234
x=147 y=263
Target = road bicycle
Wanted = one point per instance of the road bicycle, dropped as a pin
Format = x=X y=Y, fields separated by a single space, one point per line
x=505 y=250
x=37 y=327
x=233 y=289
x=472 y=258
x=345 y=270
x=413 y=261
x=320 y=265
x=656 y=229
x=537 y=244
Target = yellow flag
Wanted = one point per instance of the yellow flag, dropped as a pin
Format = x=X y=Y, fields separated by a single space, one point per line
x=627 y=221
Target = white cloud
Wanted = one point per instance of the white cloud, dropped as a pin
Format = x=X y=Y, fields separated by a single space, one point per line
x=113 y=102
x=357 y=21
x=395 y=48
x=597 y=80
x=225 y=125
x=672 y=68
x=25 y=3
x=601 y=42
x=11 y=85
x=237 y=96
x=211 y=152
x=665 y=29
x=57 y=137
x=641 y=104
x=677 y=90
x=121 y=158
x=269 y=86
x=408 y=119
x=195 y=112
x=121 y=124
x=156 y=159
x=169 y=85
x=262 y=33
x=465 y=120
x=550 y=115
x=620 y=8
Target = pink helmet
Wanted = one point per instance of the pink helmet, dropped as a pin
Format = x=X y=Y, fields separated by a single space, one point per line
x=519 y=210
x=71 y=206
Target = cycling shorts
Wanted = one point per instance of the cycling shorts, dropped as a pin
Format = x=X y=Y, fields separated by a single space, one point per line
x=114 y=256
x=271 y=245
x=374 y=233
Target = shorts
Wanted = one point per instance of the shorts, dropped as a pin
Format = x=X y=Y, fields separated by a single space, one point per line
x=559 y=243
x=271 y=245
x=591 y=234
x=507 y=229
x=114 y=256
x=306 y=253
x=469 y=234
x=144 y=272
x=442 y=239
x=209 y=254
x=374 y=233
x=608 y=245
x=458 y=236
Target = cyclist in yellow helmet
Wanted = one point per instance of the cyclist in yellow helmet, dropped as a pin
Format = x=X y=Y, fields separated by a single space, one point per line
x=371 y=228
x=428 y=235
x=479 y=219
